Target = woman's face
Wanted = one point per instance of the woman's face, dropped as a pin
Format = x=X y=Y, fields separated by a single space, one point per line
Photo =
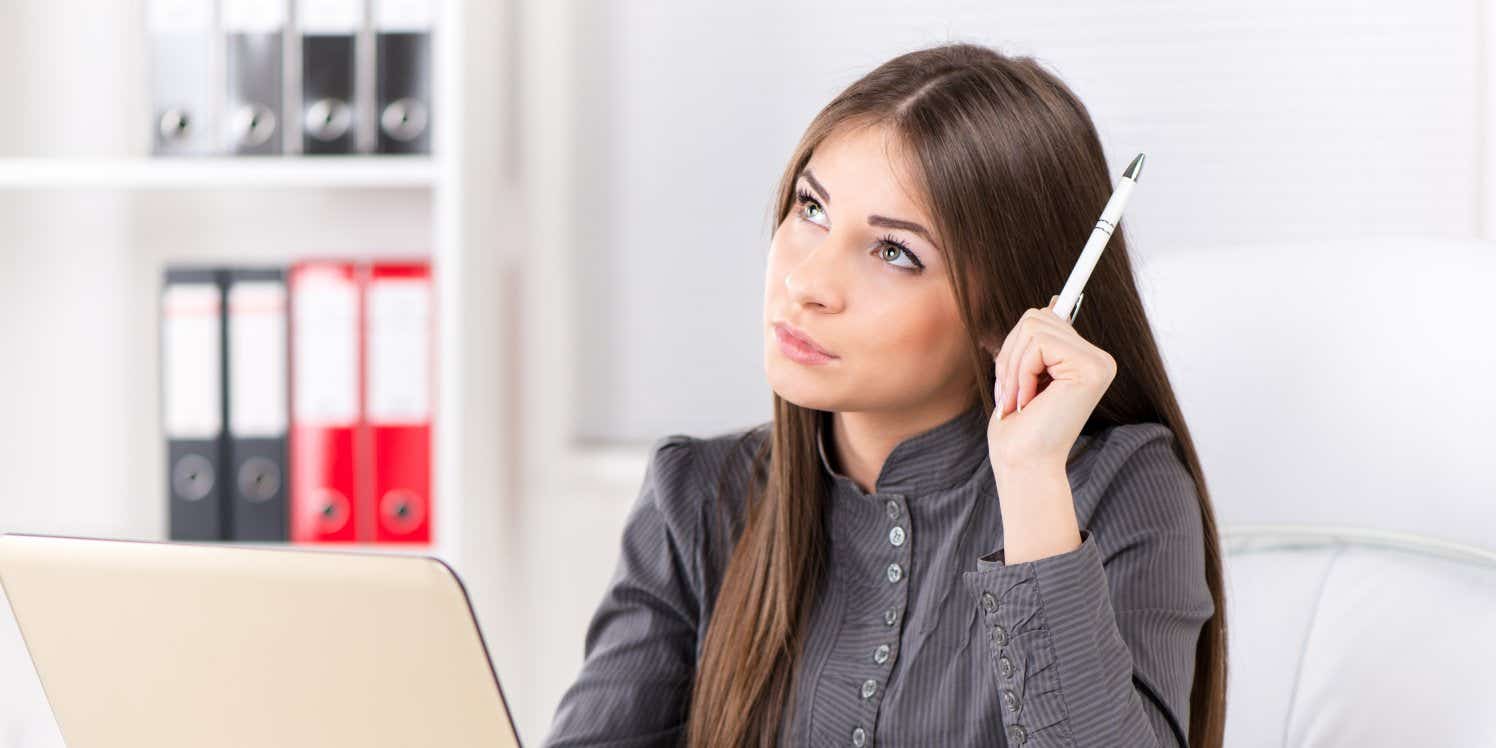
x=855 y=266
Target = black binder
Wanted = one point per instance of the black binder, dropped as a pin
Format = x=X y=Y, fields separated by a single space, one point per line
x=331 y=115
x=192 y=385
x=258 y=413
x=403 y=76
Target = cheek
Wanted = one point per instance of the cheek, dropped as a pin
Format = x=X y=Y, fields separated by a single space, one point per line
x=921 y=332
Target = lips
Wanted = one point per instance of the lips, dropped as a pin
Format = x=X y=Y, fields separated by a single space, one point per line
x=804 y=339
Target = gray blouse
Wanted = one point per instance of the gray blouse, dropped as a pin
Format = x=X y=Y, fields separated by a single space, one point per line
x=922 y=635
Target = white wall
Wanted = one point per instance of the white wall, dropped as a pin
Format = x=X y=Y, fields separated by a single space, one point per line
x=1282 y=121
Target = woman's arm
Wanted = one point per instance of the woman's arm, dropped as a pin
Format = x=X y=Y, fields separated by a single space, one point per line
x=639 y=663
x=1096 y=645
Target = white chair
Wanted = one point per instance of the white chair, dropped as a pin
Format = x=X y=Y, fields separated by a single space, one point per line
x=1358 y=638
x=1340 y=394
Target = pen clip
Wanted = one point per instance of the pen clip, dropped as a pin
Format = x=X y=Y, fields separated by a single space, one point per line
x=1076 y=310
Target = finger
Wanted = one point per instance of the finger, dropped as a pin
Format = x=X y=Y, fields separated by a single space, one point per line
x=1004 y=364
x=1031 y=364
x=1000 y=366
x=1047 y=317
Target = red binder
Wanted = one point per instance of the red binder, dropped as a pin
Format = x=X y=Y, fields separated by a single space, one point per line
x=361 y=391
x=327 y=498
x=398 y=373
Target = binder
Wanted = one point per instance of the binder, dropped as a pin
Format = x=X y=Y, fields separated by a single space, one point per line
x=329 y=41
x=253 y=60
x=192 y=385
x=257 y=409
x=402 y=30
x=185 y=70
x=329 y=496
x=398 y=376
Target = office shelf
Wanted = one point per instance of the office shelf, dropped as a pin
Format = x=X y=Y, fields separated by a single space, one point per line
x=189 y=173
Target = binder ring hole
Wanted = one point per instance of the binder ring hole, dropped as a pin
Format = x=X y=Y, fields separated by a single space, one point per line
x=328 y=119
x=192 y=477
x=401 y=511
x=332 y=511
x=259 y=479
x=403 y=119
x=253 y=124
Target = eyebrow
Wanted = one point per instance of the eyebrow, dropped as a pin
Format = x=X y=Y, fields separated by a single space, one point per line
x=895 y=223
x=875 y=219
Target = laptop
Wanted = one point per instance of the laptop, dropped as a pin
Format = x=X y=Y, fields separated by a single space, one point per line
x=142 y=643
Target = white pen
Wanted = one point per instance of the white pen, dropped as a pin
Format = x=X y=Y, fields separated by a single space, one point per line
x=1068 y=304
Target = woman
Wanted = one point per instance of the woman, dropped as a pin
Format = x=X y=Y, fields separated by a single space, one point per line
x=970 y=522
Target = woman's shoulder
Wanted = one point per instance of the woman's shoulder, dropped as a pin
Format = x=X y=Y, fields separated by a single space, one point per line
x=691 y=473
x=1132 y=464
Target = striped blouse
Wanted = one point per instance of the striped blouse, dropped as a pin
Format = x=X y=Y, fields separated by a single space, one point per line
x=922 y=635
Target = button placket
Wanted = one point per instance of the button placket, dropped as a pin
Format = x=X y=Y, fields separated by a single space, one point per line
x=893 y=573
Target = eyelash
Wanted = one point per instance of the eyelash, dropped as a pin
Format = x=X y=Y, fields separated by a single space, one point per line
x=803 y=196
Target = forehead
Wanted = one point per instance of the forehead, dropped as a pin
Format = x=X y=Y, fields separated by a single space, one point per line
x=866 y=169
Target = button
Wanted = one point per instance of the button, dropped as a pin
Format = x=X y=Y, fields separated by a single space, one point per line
x=896 y=535
x=895 y=572
x=859 y=738
x=1005 y=666
x=893 y=510
x=989 y=603
x=1016 y=734
x=890 y=616
x=999 y=636
x=1010 y=699
x=880 y=655
x=870 y=687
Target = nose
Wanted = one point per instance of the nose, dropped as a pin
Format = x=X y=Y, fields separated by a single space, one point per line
x=817 y=277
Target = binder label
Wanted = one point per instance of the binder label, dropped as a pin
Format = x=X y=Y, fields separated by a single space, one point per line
x=257 y=359
x=191 y=371
x=253 y=16
x=399 y=351
x=329 y=16
x=179 y=16
x=403 y=15
x=325 y=309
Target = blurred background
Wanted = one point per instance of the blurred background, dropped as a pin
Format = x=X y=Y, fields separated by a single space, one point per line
x=591 y=196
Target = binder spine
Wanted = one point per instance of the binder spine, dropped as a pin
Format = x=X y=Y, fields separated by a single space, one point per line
x=327 y=38
x=254 y=32
x=326 y=413
x=258 y=410
x=398 y=399
x=193 y=365
x=403 y=74
x=186 y=69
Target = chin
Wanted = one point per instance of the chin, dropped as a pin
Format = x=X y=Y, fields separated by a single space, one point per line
x=800 y=385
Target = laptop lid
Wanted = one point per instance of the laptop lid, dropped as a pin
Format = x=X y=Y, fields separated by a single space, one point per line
x=144 y=643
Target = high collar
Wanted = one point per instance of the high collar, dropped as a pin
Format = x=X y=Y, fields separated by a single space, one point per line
x=939 y=458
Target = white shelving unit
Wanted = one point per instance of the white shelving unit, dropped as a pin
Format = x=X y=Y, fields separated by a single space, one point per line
x=285 y=172
x=87 y=218
x=86 y=236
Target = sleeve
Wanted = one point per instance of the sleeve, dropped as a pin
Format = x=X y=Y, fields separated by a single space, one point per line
x=1096 y=646
x=640 y=651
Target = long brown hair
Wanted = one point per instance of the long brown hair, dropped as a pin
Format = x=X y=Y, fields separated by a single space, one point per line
x=1014 y=177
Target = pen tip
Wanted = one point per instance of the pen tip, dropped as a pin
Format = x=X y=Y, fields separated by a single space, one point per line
x=1135 y=168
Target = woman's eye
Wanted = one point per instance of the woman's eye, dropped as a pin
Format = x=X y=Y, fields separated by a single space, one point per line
x=893 y=251
x=809 y=204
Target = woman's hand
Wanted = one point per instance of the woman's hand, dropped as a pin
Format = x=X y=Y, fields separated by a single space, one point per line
x=1049 y=379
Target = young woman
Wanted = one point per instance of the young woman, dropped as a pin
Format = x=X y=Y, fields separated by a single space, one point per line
x=970 y=522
